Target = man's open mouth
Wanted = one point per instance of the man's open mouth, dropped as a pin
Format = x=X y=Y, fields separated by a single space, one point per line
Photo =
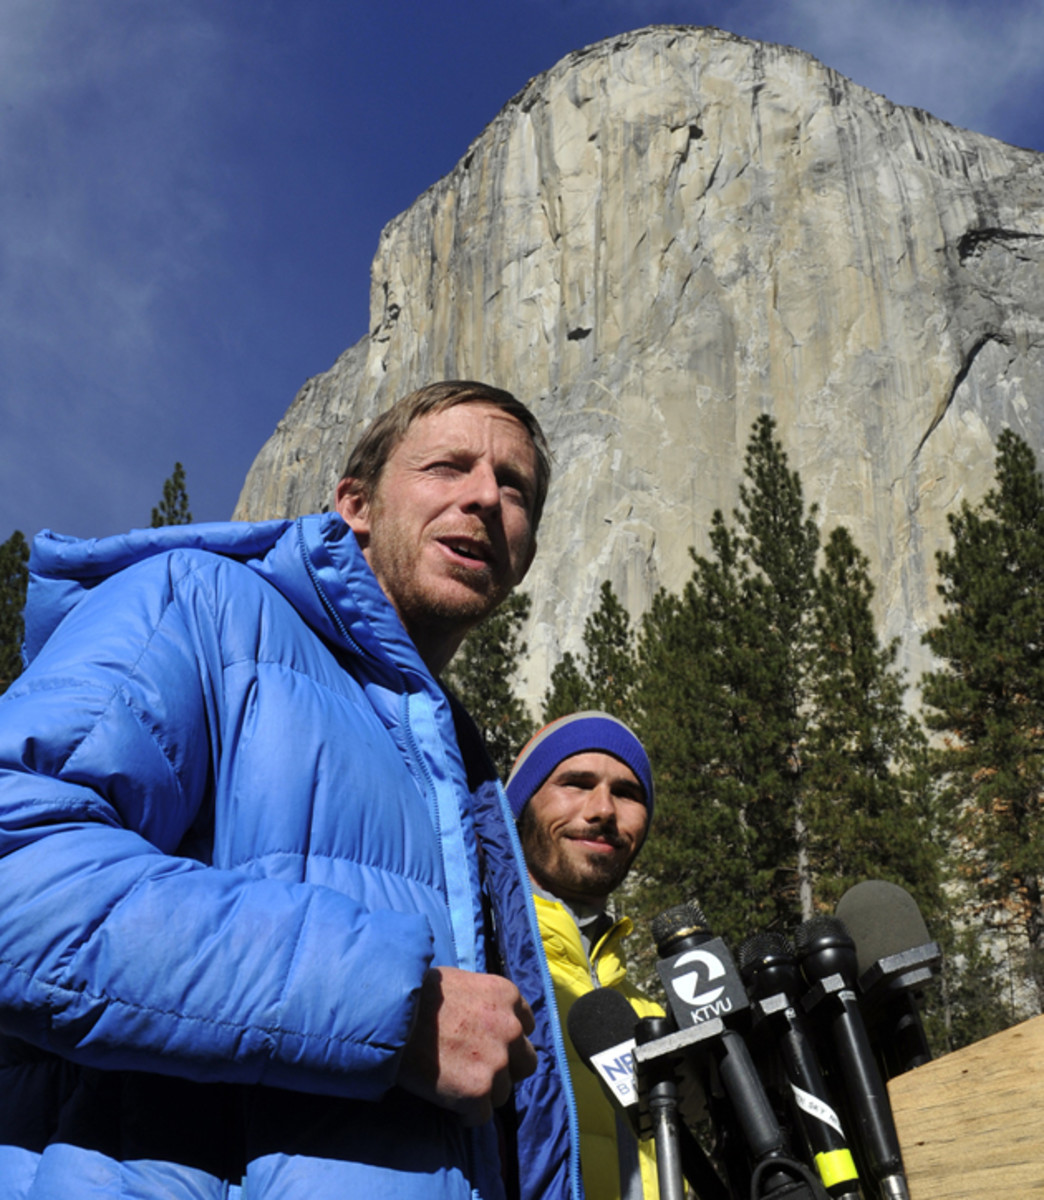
x=473 y=551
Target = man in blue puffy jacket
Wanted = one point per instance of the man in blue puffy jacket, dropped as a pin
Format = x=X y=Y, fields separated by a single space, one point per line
x=265 y=928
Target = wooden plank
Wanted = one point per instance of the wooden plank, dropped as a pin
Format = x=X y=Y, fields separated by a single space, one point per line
x=971 y=1125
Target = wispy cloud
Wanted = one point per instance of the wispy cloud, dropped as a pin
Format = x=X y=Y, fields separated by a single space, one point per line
x=103 y=201
x=964 y=62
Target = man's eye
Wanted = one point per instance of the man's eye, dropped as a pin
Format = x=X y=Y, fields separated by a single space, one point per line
x=515 y=491
x=514 y=494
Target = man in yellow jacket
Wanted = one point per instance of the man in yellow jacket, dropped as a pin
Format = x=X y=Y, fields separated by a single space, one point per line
x=582 y=793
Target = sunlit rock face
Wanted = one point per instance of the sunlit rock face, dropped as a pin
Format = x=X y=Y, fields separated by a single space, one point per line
x=668 y=234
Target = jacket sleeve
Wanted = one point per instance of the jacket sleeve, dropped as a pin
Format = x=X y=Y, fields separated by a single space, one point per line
x=117 y=952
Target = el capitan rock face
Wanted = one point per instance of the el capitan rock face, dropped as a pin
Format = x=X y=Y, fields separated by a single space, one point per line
x=668 y=234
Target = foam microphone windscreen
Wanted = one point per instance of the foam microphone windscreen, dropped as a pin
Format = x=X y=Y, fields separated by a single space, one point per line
x=883 y=919
x=600 y=1020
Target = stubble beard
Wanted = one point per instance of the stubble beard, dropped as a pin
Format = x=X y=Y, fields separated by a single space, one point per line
x=426 y=609
x=590 y=877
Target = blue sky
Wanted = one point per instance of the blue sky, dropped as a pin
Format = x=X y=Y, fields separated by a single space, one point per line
x=191 y=192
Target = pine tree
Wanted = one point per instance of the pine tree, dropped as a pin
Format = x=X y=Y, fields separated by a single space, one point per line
x=774 y=721
x=868 y=793
x=988 y=697
x=610 y=660
x=722 y=710
x=780 y=541
x=482 y=675
x=971 y=997
x=568 y=690
x=14 y=579
x=605 y=676
x=173 y=509
x=696 y=727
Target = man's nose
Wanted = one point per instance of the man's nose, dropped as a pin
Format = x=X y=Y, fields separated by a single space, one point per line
x=599 y=805
x=482 y=491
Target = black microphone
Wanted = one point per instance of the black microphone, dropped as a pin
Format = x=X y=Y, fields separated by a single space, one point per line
x=827 y=956
x=770 y=971
x=704 y=987
x=896 y=957
x=603 y=1026
x=697 y=969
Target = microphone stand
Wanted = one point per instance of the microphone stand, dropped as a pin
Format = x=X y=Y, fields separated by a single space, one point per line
x=662 y=1102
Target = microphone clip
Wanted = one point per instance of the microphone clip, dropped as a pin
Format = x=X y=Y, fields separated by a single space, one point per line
x=906 y=971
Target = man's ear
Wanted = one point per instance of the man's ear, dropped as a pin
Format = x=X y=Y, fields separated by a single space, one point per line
x=354 y=506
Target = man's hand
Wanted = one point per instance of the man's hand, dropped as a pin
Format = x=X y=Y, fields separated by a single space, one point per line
x=469 y=1043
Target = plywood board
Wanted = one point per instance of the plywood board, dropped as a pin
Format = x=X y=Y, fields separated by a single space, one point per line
x=971 y=1124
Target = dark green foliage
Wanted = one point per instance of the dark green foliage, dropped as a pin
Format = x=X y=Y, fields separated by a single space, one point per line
x=988 y=697
x=173 y=509
x=870 y=804
x=697 y=728
x=610 y=656
x=605 y=679
x=14 y=578
x=972 y=996
x=568 y=691
x=482 y=675
x=720 y=698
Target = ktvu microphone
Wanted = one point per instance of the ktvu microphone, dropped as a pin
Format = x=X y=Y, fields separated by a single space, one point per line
x=704 y=987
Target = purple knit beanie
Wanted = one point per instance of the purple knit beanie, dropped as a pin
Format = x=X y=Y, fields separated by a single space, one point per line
x=576 y=734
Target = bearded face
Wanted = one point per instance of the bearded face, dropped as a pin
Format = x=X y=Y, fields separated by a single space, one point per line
x=448 y=531
x=583 y=826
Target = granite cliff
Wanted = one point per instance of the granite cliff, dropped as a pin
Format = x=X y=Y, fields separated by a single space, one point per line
x=668 y=234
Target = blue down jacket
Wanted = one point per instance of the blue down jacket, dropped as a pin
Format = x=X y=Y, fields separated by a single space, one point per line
x=236 y=827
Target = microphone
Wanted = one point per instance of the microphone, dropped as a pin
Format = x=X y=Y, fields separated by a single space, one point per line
x=895 y=959
x=704 y=988
x=696 y=969
x=603 y=1027
x=827 y=956
x=770 y=971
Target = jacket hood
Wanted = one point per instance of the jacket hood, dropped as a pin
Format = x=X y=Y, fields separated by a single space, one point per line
x=314 y=561
x=63 y=569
